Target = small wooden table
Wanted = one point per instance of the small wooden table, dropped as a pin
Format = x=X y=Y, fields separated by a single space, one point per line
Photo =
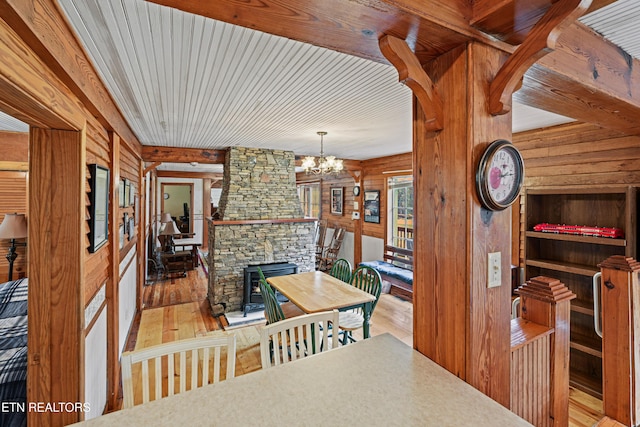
x=317 y=291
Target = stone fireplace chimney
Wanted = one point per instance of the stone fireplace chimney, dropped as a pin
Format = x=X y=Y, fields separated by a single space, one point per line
x=261 y=222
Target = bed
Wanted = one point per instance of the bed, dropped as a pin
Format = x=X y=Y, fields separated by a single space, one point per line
x=13 y=352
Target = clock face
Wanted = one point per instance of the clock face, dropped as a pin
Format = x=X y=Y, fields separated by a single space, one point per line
x=502 y=175
x=356 y=190
x=499 y=176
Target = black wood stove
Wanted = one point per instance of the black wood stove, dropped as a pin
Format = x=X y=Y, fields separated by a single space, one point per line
x=252 y=300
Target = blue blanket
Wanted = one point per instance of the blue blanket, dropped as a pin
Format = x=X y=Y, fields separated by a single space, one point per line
x=13 y=350
x=391 y=270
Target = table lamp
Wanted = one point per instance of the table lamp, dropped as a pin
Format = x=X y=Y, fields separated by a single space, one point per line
x=165 y=218
x=14 y=226
x=169 y=230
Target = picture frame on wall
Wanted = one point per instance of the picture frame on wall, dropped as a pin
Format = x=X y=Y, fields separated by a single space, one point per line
x=127 y=191
x=99 y=207
x=132 y=227
x=337 y=200
x=121 y=194
x=121 y=234
x=125 y=222
x=372 y=206
x=132 y=193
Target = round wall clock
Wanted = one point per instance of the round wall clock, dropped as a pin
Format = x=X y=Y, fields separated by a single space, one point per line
x=500 y=175
x=356 y=190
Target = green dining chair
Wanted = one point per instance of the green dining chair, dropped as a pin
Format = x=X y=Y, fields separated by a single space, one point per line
x=341 y=270
x=366 y=279
x=273 y=310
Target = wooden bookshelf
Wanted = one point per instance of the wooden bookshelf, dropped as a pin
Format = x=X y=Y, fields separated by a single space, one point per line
x=574 y=259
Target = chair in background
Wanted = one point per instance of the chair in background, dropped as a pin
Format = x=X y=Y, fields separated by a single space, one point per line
x=330 y=254
x=296 y=338
x=273 y=310
x=321 y=232
x=341 y=269
x=197 y=350
x=366 y=279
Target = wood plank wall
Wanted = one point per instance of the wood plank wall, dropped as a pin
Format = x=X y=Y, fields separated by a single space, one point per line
x=96 y=264
x=373 y=176
x=70 y=117
x=576 y=155
x=130 y=170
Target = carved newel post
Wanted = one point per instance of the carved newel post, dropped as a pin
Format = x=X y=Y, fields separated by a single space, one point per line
x=546 y=301
x=620 y=348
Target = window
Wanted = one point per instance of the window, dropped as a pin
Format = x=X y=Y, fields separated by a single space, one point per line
x=310 y=199
x=400 y=211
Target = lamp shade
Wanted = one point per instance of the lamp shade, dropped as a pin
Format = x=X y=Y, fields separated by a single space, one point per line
x=14 y=226
x=170 y=229
x=165 y=217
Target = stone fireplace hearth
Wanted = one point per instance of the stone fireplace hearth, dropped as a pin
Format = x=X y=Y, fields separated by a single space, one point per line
x=260 y=222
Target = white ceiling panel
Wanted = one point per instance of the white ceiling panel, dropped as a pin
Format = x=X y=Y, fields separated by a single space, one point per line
x=182 y=80
x=10 y=124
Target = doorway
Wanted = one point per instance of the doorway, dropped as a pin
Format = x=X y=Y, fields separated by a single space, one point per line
x=177 y=200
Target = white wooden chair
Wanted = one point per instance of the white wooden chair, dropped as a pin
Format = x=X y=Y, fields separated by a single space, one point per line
x=297 y=337
x=199 y=350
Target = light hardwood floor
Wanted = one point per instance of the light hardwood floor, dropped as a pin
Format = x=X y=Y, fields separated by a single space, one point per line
x=177 y=309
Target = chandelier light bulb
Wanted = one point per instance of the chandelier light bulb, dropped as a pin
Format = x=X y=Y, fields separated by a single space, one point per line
x=325 y=165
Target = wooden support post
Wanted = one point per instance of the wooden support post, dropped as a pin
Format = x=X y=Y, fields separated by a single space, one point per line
x=57 y=250
x=620 y=350
x=113 y=284
x=463 y=325
x=546 y=301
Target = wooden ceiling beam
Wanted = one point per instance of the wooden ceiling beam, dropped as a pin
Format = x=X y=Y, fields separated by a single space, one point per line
x=213 y=176
x=586 y=78
x=151 y=153
x=539 y=42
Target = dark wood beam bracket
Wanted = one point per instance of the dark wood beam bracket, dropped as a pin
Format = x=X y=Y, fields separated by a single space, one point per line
x=412 y=74
x=151 y=153
x=540 y=41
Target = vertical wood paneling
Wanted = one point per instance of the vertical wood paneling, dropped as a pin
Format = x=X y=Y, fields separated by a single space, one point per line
x=57 y=251
x=530 y=373
x=113 y=283
x=464 y=326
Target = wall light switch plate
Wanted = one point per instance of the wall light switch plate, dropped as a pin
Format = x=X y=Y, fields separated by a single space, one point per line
x=494 y=270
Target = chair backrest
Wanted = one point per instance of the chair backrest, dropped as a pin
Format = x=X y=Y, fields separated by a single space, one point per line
x=197 y=351
x=369 y=280
x=298 y=337
x=272 y=310
x=341 y=269
x=321 y=231
x=336 y=240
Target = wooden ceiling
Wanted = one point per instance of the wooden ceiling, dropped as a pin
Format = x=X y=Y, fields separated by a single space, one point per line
x=585 y=77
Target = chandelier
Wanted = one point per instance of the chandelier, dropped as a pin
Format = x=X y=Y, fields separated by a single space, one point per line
x=326 y=165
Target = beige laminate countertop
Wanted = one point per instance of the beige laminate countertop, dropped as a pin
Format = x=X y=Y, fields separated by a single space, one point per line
x=375 y=382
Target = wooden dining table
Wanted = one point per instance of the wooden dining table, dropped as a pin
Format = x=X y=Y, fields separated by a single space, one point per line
x=316 y=291
x=375 y=382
